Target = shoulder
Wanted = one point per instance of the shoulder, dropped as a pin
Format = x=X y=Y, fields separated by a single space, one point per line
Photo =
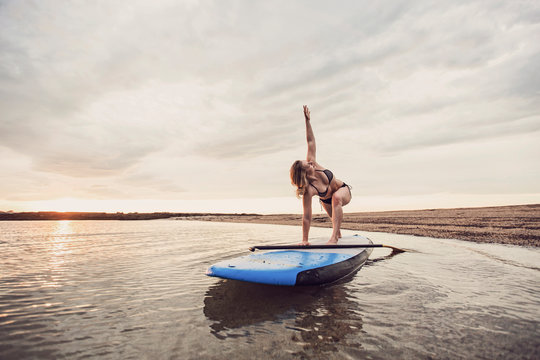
x=318 y=166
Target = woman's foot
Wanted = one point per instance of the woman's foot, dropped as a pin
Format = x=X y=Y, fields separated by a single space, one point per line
x=332 y=241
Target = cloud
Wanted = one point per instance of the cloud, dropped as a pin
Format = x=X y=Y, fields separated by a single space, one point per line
x=144 y=99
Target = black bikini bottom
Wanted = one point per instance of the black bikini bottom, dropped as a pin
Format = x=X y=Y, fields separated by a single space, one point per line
x=329 y=200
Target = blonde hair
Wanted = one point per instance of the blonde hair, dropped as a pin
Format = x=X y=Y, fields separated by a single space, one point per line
x=299 y=178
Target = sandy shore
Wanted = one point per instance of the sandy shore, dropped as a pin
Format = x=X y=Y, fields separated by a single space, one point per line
x=516 y=225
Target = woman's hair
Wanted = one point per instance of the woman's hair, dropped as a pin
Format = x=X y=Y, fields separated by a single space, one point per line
x=299 y=178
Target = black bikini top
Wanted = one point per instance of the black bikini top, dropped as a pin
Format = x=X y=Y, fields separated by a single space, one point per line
x=330 y=176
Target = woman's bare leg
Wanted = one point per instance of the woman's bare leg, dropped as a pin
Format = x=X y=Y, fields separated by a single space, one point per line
x=340 y=198
x=328 y=209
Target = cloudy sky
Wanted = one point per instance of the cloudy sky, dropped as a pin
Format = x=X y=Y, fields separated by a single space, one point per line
x=197 y=105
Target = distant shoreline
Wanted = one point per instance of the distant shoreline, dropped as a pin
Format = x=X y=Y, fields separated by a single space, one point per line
x=56 y=215
x=516 y=224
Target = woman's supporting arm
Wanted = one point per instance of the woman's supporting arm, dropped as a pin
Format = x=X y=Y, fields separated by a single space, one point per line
x=312 y=148
x=306 y=218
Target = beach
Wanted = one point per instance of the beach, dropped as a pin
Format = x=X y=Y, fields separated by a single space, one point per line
x=514 y=225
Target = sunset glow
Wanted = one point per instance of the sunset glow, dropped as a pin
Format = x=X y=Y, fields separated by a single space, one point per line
x=275 y=205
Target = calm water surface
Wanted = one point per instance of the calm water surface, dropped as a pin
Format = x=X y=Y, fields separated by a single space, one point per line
x=113 y=289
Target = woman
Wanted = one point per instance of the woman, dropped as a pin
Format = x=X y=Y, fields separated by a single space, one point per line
x=312 y=179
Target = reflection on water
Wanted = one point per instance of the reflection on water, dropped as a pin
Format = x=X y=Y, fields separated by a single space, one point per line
x=234 y=304
x=319 y=317
x=59 y=251
x=112 y=289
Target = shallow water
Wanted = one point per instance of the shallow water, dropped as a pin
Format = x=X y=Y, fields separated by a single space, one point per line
x=137 y=289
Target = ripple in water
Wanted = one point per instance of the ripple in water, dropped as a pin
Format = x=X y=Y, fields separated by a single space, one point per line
x=114 y=289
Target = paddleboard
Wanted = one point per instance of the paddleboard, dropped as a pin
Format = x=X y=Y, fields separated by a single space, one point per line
x=296 y=267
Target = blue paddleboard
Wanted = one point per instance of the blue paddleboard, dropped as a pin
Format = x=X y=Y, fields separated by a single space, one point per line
x=296 y=267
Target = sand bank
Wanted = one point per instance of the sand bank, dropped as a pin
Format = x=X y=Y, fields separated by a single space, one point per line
x=516 y=225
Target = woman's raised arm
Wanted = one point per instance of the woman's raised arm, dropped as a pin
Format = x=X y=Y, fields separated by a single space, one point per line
x=312 y=148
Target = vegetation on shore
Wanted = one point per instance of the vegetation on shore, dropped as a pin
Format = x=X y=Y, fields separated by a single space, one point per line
x=54 y=215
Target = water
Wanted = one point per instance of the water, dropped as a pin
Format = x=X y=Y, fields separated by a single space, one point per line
x=113 y=289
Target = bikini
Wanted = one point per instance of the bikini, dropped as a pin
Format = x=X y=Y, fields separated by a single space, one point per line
x=330 y=176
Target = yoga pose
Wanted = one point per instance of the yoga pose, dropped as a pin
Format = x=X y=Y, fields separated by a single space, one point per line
x=312 y=179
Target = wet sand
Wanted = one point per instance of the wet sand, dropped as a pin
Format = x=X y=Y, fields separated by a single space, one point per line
x=516 y=225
